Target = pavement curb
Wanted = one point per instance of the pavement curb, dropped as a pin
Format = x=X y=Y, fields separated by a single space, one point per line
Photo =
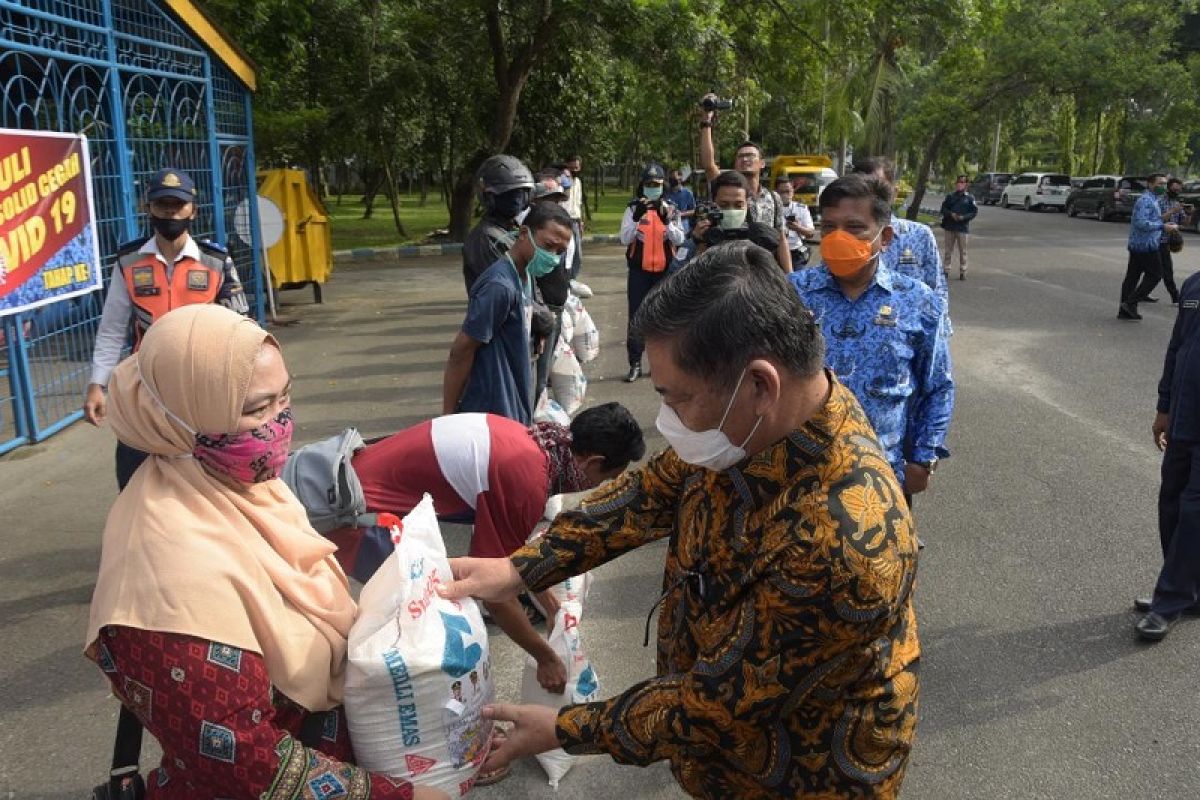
x=447 y=249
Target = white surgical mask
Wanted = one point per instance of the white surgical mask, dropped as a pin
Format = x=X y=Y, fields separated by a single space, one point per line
x=710 y=449
x=733 y=218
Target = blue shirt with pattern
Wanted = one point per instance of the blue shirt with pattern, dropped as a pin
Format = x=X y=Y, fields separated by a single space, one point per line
x=1146 y=224
x=890 y=347
x=914 y=252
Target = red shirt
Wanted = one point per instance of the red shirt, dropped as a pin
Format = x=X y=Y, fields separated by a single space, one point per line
x=479 y=468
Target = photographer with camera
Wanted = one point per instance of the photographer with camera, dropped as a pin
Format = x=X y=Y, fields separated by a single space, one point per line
x=651 y=231
x=763 y=204
x=798 y=219
x=725 y=218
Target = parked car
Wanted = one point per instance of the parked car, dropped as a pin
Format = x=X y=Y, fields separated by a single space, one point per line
x=1190 y=196
x=988 y=186
x=1037 y=190
x=1106 y=196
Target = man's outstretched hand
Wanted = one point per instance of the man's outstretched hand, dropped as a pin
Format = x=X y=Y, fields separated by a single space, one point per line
x=492 y=580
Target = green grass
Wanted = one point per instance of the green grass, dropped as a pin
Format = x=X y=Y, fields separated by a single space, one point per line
x=350 y=231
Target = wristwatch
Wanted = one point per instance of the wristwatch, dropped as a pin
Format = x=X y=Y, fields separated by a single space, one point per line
x=929 y=466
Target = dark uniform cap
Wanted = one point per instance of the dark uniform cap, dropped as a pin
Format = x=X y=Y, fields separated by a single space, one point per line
x=653 y=172
x=171 y=182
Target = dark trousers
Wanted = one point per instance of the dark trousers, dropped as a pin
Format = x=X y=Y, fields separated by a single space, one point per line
x=1141 y=276
x=128 y=460
x=1178 y=584
x=541 y=377
x=1168 y=272
x=638 y=285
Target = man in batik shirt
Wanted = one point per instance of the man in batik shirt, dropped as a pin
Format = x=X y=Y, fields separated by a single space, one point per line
x=787 y=643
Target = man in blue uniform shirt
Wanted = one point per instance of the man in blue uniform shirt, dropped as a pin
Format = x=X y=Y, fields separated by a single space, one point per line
x=914 y=251
x=1176 y=431
x=885 y=333
x=1147 y=224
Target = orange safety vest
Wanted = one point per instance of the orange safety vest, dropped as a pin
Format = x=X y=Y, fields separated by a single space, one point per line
x=650 y=251
x=152 y=294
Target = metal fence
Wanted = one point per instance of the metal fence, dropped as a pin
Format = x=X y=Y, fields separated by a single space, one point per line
x=148 y=94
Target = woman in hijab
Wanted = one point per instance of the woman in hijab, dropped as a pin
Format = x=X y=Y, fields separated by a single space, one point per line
x=219 y=616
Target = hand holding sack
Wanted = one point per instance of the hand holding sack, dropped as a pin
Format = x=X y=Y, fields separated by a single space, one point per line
x=419 y=672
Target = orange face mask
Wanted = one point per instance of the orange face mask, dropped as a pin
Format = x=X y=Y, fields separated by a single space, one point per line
x=846 y=254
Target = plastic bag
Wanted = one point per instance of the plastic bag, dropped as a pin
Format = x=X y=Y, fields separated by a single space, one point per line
x=419 y=672
x=567 y=381
x=582 y=684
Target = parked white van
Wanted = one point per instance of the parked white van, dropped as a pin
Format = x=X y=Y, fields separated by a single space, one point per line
x=1037 y=190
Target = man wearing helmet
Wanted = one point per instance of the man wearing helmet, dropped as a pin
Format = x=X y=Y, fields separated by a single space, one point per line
x=504 y=185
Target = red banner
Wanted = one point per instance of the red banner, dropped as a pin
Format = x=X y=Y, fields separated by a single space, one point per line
x=48 y=245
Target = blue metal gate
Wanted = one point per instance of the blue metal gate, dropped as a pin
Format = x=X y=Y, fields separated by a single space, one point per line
x=148 y=93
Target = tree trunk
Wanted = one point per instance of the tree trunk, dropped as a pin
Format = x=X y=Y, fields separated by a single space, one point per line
x=462 y=203
x=931 y=153
x=424 y=188
x=372 y=180
x=394 y=200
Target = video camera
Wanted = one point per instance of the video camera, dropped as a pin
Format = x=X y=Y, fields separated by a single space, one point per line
x=707 y=210
x=714 y=103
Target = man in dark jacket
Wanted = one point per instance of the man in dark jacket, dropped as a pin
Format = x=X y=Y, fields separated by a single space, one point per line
x=504 y=185
x=1176 y=431
x=958 y=209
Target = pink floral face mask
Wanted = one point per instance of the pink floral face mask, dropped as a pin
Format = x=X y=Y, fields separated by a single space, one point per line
x=253 y=456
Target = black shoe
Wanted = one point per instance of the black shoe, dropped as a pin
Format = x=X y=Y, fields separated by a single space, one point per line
x=1147 y=299
x=1128 y=311
x=962 y=274
x=1154 y=627
x=635 y=372
x=1143 y=604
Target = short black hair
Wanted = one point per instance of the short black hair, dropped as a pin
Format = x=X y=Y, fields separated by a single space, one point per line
x=548 y=173
x=543 y=214
x=783 y=178
x=1154 y=176
x=869 y=165
x=608 y=430
x=1174 y=180
x=749 y=143
x=859 y=187
x=730 y=305
x=962 y=178
x=728 y=177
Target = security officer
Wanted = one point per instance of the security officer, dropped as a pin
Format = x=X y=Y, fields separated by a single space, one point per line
x=153 y=275
x=884 y=332
x=1176 y=431
x=650 y=230
x=504 y=184
x=914 y=251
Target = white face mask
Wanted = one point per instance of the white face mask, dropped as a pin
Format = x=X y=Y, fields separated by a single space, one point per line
x=710 y=449
x=733 y=218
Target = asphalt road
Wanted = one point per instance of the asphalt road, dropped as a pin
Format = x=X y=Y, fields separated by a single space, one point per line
x=1040 y=531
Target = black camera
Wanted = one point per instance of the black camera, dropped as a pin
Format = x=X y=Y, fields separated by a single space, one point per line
x=707 y=211
x=790 y=217
x=712 y=103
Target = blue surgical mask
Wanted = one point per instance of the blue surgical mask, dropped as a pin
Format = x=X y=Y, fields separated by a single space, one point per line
x=652 y=192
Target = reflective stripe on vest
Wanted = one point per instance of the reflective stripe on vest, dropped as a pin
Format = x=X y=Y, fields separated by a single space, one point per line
x=650 y=251
x=193 y=281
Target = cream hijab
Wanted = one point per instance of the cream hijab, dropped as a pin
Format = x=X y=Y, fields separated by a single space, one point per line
x=185 y=553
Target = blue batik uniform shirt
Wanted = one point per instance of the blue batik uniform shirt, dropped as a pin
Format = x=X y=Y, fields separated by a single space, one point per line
x=1146 y=225
x=914 y=252
x=890 y=348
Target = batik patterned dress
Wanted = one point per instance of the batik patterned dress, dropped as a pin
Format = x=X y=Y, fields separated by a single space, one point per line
x=223 y=730
x=787 y=643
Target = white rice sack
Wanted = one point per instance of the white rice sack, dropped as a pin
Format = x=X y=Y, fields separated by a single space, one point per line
x=585 y=337
x=419 y=671
x=567 y=381
x=567 y=328
x=548 y=410
x=582 y=684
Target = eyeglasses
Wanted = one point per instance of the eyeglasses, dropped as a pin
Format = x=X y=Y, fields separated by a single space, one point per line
x=684 y=577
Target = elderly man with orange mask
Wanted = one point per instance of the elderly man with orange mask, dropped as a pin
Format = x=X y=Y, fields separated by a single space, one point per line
x=885 y=332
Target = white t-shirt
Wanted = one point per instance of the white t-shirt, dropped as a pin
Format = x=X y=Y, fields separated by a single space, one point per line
x=803 y=217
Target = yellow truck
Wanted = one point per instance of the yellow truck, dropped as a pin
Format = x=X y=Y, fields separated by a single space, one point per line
x=808 y=174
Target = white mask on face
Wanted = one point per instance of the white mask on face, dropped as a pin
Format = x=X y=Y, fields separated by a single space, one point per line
x=710 y=449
